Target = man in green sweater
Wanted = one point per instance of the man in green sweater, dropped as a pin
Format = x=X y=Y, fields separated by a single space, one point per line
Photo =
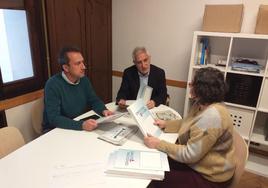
x=69 y=94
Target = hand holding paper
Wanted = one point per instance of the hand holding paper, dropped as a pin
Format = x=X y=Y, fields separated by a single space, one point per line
x=144 y=118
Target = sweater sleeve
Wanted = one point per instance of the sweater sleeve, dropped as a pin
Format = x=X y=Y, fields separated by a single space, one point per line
x=173 y=126
x=53 y=106
x=203 y=135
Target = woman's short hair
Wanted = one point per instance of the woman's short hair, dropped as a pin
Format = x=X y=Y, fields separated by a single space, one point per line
x=209 y=86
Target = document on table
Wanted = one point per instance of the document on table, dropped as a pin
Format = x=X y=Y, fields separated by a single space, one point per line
x=78 y=175
x=143 y=160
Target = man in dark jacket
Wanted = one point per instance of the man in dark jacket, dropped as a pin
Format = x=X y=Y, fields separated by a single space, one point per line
x=142 y=73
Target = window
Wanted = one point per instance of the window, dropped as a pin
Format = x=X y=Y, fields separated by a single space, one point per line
x=22 y=60
x=15 y=61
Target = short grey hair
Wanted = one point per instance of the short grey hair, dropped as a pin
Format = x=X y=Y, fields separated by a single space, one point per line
x=138 y=50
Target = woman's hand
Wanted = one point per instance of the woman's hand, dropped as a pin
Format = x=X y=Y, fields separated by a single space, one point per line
x=160 y=123
x=151 y=142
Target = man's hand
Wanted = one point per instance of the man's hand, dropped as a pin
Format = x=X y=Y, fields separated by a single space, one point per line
x=107 y=112
x=151 y=142
x=122 y=104
x=150 y=104
x=89 y=125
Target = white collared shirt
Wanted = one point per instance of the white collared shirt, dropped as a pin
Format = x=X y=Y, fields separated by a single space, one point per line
x=67 y=80
x=144 y=78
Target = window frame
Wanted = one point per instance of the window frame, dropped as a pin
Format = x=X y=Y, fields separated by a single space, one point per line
x=35 y=22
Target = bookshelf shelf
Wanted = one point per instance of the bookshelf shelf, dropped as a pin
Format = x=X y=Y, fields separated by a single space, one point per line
x=246 y=98
x=257 y=164
x=261 y=74
x=263 y=110
x=240 y=106
x=259 y=138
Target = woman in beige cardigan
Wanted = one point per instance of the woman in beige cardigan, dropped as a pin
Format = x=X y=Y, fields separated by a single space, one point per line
x=203 y=153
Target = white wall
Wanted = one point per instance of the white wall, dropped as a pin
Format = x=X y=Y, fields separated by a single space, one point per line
x=166 y=28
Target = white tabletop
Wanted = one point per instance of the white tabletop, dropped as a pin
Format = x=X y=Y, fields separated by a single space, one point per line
x=31 y=166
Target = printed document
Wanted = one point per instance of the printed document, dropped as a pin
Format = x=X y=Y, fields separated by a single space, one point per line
x=145 y=93
x=144 y=118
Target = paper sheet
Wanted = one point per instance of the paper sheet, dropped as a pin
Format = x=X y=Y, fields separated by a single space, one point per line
x=77 y=175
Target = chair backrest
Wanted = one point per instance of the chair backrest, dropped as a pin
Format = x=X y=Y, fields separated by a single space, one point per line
x=10 y=140
x=37 y=115
x=168 y=100
x=241 y=157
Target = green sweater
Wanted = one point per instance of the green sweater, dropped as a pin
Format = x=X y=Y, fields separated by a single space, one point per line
x=64 y=101
x=205 y=142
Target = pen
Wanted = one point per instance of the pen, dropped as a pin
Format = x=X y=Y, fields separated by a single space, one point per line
x=119 y=132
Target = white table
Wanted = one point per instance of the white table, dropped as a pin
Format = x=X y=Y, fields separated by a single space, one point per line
x=31 y=165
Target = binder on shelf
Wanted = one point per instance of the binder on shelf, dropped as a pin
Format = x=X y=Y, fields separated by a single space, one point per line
x=138 y=164
x=144 y=118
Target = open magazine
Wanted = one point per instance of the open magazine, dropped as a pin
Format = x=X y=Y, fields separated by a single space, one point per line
x=119 y=134
x=144 y=118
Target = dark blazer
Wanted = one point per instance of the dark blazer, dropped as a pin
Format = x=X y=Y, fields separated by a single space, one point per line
x=131 y=83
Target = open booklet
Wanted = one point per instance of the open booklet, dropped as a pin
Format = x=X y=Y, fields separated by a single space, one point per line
x=118 y=135
x=144 y=118
x=105 y=119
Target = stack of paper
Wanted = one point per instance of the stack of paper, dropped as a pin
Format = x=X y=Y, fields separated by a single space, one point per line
x=138 y=164
x=246 y=67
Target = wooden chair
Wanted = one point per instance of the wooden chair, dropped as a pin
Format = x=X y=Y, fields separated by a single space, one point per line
x=10 y=140
x=241 y=156
x=37 y=115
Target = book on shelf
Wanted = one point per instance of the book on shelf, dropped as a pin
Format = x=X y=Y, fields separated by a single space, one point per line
x=203 y=51
x=145 y=164
x=118 y=135
x=144 y=118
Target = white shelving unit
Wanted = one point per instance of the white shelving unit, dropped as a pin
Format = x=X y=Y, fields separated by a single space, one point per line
x=247 y=97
